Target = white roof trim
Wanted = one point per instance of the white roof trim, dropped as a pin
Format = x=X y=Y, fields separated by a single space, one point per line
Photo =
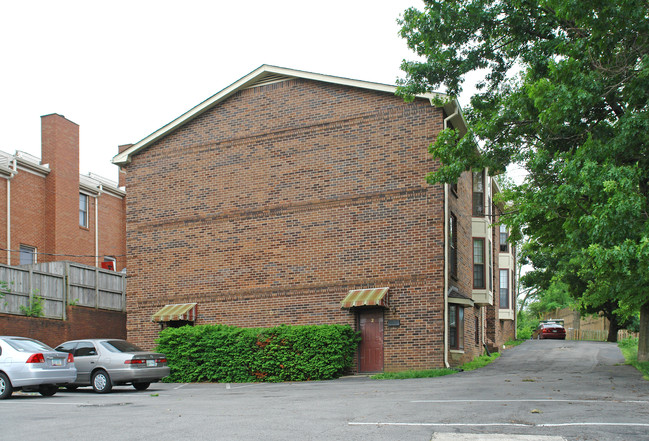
x=265 y=74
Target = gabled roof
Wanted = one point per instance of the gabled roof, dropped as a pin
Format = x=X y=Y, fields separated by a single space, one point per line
x=267 y=74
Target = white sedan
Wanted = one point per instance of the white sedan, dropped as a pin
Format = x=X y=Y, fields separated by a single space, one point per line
x=31 y=365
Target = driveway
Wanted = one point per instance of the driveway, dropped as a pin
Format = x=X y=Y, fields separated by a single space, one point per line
x=540 y=390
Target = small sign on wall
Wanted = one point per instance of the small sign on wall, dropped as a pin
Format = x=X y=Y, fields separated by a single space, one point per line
x=394 y=323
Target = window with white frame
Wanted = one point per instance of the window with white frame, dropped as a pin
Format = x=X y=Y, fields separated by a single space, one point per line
x=490 y=265
x=504 y=235
x=478 y=264
x=504 y=289
x=83 y=210
x=27 y=255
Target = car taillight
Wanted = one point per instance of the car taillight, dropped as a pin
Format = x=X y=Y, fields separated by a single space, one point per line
x=70 y=358
x=36 y=358
x=135 y=361
x=161 y=360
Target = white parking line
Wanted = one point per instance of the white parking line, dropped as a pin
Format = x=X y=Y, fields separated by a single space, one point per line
x=540 y=400
x=495 y=424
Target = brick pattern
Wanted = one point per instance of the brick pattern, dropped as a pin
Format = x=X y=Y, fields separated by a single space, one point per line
x=81 y=323
x=270 y=207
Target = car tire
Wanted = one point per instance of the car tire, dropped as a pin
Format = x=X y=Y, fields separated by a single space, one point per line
x=101 y=382
x=6 y=389
x=47 y=390
x=141 y=386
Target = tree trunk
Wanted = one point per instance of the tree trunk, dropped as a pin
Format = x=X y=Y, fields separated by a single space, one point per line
x=613 y=327
x=643 y=343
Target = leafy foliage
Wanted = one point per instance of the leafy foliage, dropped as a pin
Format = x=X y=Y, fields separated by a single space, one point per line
x=219 y=353
x=34 y=308
x=565 y=96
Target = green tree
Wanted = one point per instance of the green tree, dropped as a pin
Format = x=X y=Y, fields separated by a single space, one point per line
x=565 y=95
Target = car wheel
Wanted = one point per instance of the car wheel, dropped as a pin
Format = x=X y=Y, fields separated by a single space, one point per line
x=5 y=387
x=47 y=390
x=141 y=386
x=101 y=382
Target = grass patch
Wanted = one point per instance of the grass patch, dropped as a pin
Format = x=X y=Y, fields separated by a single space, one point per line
x=480 y=361
x=476 y=363
x=512 y=343
x=405 y=375
x=629 y=348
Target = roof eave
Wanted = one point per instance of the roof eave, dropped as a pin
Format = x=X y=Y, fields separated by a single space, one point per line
x=124 y=157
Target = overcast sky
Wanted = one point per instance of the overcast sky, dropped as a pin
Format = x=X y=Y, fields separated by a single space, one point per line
x=123 y=69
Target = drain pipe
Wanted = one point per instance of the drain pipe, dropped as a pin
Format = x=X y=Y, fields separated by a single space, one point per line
x=14 y=171
x=446 y=270
x=101 y=188
x=446 y=265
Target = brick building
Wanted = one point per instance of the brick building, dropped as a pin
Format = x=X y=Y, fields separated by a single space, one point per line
x=298 y=198
x=49 y=212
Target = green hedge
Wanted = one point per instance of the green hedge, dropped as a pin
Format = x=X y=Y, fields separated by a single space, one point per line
x=227 y=354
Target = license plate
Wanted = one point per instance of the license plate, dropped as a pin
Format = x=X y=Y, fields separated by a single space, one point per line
x=57 y=362
x=150 y=363
x=554 y=330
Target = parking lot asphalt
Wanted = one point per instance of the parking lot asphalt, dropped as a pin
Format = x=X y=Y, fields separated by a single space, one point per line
x=540 y=390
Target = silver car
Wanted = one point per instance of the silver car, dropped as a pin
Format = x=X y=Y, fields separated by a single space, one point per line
x=30 y=365
x=104 y=362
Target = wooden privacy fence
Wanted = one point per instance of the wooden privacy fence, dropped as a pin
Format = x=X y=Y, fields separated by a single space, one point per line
x=578 y=334
x=60 y=284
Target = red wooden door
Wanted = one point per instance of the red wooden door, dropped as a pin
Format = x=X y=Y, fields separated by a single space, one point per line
x=370 y=353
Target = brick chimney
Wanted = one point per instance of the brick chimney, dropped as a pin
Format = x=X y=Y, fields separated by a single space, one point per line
x=60 y=149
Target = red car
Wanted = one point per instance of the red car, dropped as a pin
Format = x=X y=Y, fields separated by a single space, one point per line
x=549 y=330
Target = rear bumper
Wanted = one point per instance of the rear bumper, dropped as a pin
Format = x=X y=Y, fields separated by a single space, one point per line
x=553 y=336
x=148 y=375
x=36 y=377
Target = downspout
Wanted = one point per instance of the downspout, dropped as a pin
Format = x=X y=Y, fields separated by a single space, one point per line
x=446 y=265
x=446 y=270
x=13 y=173
x=97 y=225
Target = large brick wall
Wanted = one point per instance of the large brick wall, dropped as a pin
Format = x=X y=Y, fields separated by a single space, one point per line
x=81 y=323
x=270 y=207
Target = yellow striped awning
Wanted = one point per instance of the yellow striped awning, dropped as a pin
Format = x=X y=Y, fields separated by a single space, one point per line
x=366 y=297
x=181 y=311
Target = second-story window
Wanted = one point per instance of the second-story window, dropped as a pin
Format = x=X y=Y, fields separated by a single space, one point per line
x=504 y=235
x=27 y=255
x=83 y=210
x=478 y=193
x=490 y=266
x=504 y=289
x=478 y=264
x=452 y=241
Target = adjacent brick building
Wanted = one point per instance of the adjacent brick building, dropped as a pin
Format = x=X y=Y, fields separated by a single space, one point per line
x=298 y=198
x=49 y=212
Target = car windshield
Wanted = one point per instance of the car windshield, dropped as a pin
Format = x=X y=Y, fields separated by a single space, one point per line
x=120 y=346
x=27 y=345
